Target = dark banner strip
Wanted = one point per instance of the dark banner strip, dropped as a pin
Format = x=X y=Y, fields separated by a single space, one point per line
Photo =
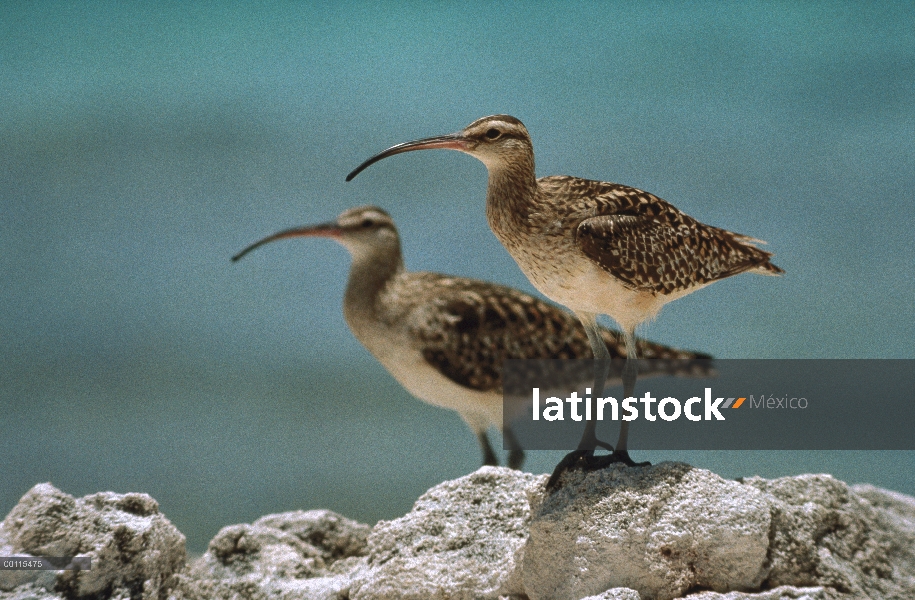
x=717 y=405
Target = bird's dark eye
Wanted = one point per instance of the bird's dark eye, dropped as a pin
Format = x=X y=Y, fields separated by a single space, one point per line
x=366 y=223
x=493 y=133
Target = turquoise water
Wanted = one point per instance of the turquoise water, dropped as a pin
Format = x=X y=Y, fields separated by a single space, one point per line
x=141 y=147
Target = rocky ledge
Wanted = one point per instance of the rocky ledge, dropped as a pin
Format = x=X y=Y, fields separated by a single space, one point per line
x=660 y=532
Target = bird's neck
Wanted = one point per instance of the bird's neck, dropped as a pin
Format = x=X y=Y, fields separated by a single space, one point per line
x=511 y=194
x=369 y=274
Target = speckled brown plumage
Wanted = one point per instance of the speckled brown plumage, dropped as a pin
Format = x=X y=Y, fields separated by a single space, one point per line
x=651 y=246
x=556 y=226
x=595 y=247
x=445 y=338
x=474 y=326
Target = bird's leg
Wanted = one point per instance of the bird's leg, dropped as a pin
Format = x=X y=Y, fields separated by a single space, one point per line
x=489 y=457
x=589 y=441
x=515 y=451
x=583 y=457
x=630 y=374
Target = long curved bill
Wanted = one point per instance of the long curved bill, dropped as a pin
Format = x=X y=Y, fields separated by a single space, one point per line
x=330 y=230
x=452 y=141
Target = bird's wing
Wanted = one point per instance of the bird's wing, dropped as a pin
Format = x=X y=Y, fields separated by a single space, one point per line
x=472 y=327
x=657 y=255
x=647 y=243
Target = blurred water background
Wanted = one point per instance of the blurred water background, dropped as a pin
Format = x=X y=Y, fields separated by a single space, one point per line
x=141 y=145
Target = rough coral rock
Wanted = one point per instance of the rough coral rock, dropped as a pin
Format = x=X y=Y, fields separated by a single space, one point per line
x=857 y=541
x=134 y=549
x=667 y=531
x=781 y=593
x=672 y=530
x=463 y=539
x=298 y=554
x=616 y=594
x=662 y=530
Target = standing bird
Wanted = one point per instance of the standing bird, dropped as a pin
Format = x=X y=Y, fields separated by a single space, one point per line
x=595 y=247
x=445 y=338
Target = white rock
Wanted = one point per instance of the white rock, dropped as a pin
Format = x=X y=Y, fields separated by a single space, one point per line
x=619 y=593
x=30 y=591
x=289 y=555
x=463 y=539
x=133 y=548
x=780 y=593
x=669 y=530
x=859 y=542
x=661 y=530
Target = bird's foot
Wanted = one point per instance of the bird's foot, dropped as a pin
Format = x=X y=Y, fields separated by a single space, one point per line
x=622 y=456
x=585 y=460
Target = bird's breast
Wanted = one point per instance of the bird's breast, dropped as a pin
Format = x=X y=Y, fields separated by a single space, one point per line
x=562 y=273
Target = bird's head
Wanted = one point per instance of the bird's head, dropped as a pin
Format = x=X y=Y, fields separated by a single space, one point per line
x=498 y=141
x=365 y=231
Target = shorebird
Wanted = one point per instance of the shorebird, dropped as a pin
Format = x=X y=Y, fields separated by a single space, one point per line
x=595 y=247
x=445 y=338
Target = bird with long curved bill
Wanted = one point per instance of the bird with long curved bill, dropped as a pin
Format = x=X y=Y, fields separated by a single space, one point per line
x=593 y=246
x=445 y=338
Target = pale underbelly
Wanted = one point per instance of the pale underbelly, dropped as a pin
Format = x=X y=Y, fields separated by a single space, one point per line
x=422 y=380
x=583 y=286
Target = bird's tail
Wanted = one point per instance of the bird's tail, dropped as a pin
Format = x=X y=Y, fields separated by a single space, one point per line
x=747 y=239
x=768 y=268
x=764 y=267
x=655 y=360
